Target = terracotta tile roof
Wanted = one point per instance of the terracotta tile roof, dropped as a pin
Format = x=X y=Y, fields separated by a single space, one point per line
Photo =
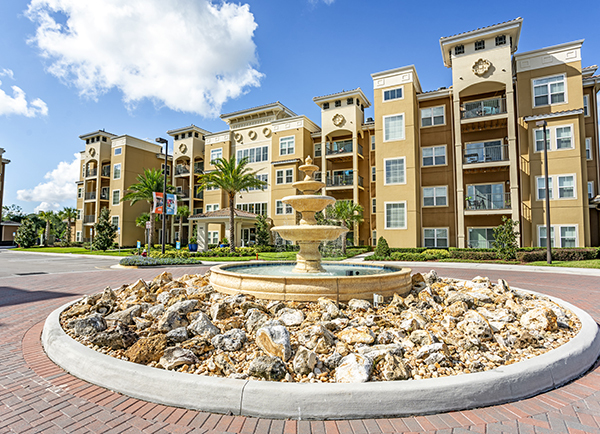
x=293 y=160
x=224 y=212
x=337 y=93
x=590 y=67
x=480 y=28
x=271 y=104
x=553 y=115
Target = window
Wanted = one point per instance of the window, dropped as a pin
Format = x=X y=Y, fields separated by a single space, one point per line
x=588 y=148
x=481 y=238
x=549 y=90
x=215 y=154
x=195 y=135
x=586 y=105
x=197 y=210
x=393 y=94
x=487 y=196
x=349 y=101
x=115 y=221
x=501 y=40
x=286 y=145
x=435 y=237
x=79 y=192
x=281 y=208
x=393 y=127
x=78 y=214
x=539 y=140
x=482 y=152
x=459 y=49
x=434 y=156
x=432 y=116
x=284 y=176
x=566 y=186
x=318 y=150
x=541 y=188
x=568 y=236
x=542 y=238
x=374 y=238
x=190 y=134
x=373 y=173
x=372 y=143
x=118 y=151
x=254 y=155
x=395 y=215
x=289 y=176
x=563 y=138
x=212 y=237
x=162 y=167
x=256 y=208
x=279 y=177
x=212 y=207
x=479 y=45
x=325 y=106
x=373 y=206
x=394 y=171
x=590 y=189
x=78 y=236
x=338 y=103
x=263 y=177
x=117 y=171
x=435 y=196
x=176 y=137
x=116 y=197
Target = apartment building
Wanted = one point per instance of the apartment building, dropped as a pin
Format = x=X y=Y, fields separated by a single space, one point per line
x=431 y=168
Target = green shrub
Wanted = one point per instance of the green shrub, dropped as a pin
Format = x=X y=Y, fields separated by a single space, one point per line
x=474 y=254
x=267 y=248
x=401 y=256
x=141 y=261
x=506 y=238
x=581 y=254
x=383 y=249
x=408 y=249
x=224 y=252
x=437 y=253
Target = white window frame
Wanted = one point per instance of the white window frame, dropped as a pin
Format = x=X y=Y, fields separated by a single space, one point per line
x=570 y=126
x=79 y=192
x=118 y=197
x=548 y=139
x=373 y=206
x=573 y=175
x=586 y=106
x=385 y=217
x=283 y=208
x=590 y=189
x=432 y=117
x=588 y=148
x=533 y=85
x=373 y=173
x=385 y=160
x=402 y=135
x=212 y=207
x=112 y=221
x=469 y=229
x=79 y=213
x=550 y=187
x=436 y=238
x=118 y=151
x=289 y=176
x=383 y=91
x=287 y=142
x=374 y=238
x=372 y=143
x=212 y=237
x=78 y=236
x=214 y=152
x=116 y=168
x=552 y=138
x=433 y=156
x=554 y=230
x=435 y=195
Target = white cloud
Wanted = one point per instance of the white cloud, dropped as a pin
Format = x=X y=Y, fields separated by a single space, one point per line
x=190 y=55
x=327 y=2
x=17 y=104
x=59 y=188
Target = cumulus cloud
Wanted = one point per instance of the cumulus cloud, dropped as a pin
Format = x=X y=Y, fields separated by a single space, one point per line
x=327 y=2
x=189 y=55
x=17 y=103
x=59 y=188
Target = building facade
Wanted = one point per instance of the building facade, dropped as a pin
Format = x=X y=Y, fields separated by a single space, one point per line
x=431 y=168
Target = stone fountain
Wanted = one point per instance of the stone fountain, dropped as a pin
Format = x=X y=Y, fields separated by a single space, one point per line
x=309 y=234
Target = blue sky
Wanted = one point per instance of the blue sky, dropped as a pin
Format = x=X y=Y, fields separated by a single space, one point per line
x=68 y=67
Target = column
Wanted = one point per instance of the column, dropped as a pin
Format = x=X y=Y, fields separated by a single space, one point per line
x=355 y=180
x=460 y=187
x=513 y=157
x=201 y=236
x=324 y=161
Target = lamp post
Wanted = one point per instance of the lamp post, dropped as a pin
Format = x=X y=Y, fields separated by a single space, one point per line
x=164 y=207
x=544 y=124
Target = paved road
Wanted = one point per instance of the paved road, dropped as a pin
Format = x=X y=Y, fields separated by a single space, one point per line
x=37 y=396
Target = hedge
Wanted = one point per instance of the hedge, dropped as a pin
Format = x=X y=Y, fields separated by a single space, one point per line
x=474 y=254
x=581 y=254
x=142 y=261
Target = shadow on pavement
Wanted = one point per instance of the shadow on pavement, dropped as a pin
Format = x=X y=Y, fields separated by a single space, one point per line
x=12 y=296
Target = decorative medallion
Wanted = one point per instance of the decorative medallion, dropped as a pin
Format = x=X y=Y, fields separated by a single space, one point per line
x=266 y=132
x=182 y=148
x=92 y=152
x=252 y=134
x=481 y=67
x=338 y=120
x=237 y=137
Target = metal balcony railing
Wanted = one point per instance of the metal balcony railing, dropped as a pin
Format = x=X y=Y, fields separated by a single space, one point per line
x=485 y=154
x=91 y=172
x=90 y=195
x=199 y=195
x=183 y=192
x=89 y=218
x=105 y=171
x=484 y=107
x=343 y=181
x=180 y=169
x=342 y=147
x=198 y=168
x=483 y=202
x=104 y=195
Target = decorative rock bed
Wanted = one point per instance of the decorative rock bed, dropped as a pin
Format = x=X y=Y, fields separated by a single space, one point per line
x=443 y=327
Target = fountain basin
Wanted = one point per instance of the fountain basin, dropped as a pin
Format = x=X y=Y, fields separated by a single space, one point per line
x=316 y=233
x=288 y=285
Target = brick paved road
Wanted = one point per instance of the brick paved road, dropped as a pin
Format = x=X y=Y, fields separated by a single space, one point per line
x=37 y=396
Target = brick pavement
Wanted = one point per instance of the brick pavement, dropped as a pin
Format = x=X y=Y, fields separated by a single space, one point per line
x=37 y=396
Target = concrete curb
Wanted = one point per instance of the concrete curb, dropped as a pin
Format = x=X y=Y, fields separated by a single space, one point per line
x=328 y=401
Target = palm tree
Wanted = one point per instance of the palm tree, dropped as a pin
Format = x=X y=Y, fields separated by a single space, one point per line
x=68 y=214
x=348 y=214
x=183 y=211
x=151 y=181
x=231 y=177
x=47 y=217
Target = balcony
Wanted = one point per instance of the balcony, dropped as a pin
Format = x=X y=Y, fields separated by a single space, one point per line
x=493 y=203
x=90 y=196
x=104 y=195
x=183 y=193
x=343 y=181
x=105 y=171
x=482 y=108
x=485 y=152
x=91 y=172
x=199 y=195
x=341 y=148
x=89 y=218
x=181 y=169
x=199 y=168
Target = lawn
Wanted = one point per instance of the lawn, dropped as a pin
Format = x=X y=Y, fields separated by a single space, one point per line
x=592 y=263
x=77 y=251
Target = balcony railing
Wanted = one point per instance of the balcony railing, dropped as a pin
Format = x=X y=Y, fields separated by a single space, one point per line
x=198 y=168
x=199 y=195
x=104 y=195
x=485 y=154
x=183 y=192
x=89 y=218
x=488 y=202
x=90 y=196
x=485 y=107
x=105 y=171
x=91 y=172
x=343 y=181
x=180 y=169
x=342 y=147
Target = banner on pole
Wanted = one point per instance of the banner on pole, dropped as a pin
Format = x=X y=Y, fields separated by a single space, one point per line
x=171 y=205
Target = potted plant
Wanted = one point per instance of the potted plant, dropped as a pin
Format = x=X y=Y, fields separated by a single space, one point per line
x=193 y=244
x=224 y=243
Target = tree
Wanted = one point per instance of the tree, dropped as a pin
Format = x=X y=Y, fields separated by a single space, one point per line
x=382 y=250
x=263 y=235
x=26 y=234
x=231 y=177
x=105 y=231
x=151 y=181
x=68 y=214
x=506 y=237
x=183 y=211
x=348 y=214
x=13 y=213
x=47 y=216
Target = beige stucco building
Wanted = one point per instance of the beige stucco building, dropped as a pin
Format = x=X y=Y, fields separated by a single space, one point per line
x=431 y=168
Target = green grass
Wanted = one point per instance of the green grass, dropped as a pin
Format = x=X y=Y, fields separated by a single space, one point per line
x=77 y=251
x=592 y=263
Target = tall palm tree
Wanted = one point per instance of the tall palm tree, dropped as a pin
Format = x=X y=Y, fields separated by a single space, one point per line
x=47 y=217
x=68 y=214
x=348 y=214
x=231 y=177
x=183 y=211
x=151 y=181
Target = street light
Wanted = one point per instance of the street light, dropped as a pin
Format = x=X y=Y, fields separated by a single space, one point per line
x=164 y=208
x=544 y=124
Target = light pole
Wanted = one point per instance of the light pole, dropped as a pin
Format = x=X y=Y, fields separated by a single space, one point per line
x=544 y=124
x=164 y=207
